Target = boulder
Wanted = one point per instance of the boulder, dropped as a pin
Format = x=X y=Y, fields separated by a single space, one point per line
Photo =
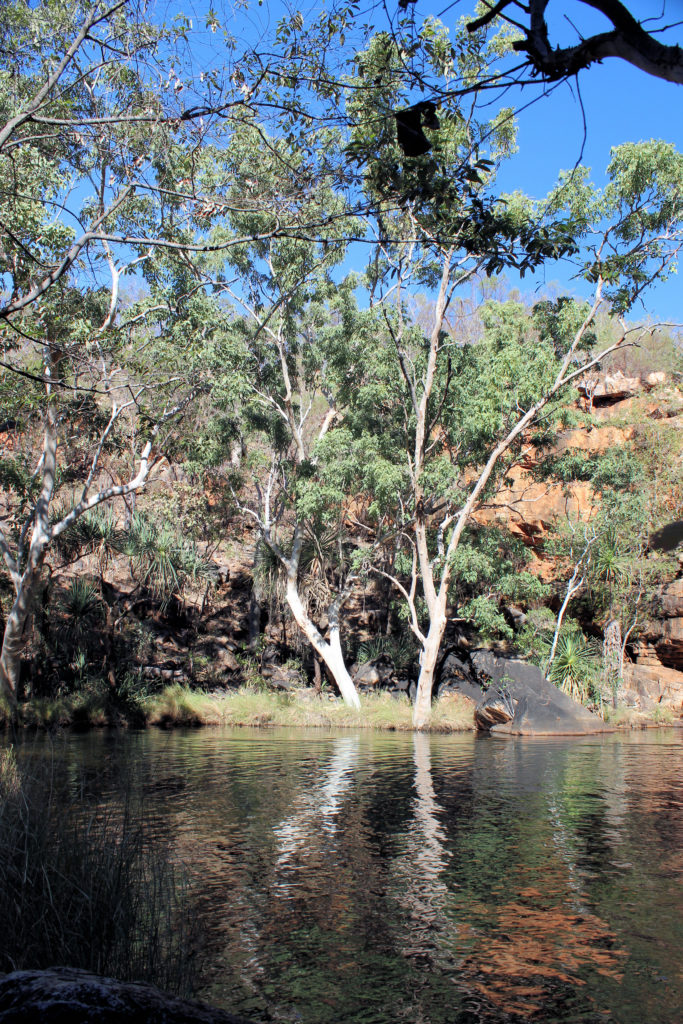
x=64 y=995
x=521 y=701
x=281 y=678
x=652 y=685
x=401 y=684
x=669 y=599
x=270 y=658
x=613 y=387
x=226 y=660
x=456 y=677
x=374 y=673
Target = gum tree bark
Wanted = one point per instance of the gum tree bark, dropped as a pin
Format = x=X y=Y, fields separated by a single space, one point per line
x=24 y=559
x=330 y=650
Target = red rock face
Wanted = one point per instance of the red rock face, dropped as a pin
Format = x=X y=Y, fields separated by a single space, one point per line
x=649 y=686
x=530 y=508
x=670 y=600
x=664 y=634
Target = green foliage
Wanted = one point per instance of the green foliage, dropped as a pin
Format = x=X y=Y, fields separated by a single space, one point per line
x=576 y=665
x=445 y=188
x=639 y=213
x=95 y=532
x=618 y=469
x=82 y=600
x=401 y=649
x=535 y=637
x=484 y=614
x=163 y=561
x=237 y=311
x=488 y=569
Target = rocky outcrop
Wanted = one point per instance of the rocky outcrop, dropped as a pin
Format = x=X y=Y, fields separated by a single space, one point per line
x=647 y=686
x=520 y=701
x=662 y=634
x=514 y=698
x=63 y=994
x=669 y=599
x=614 y=387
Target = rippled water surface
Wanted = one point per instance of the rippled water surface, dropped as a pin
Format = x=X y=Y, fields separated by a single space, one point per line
x=381 y=878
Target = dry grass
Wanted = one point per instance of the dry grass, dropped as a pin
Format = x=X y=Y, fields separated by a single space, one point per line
x=178 y=705
x=633 y=718
x=255 y=705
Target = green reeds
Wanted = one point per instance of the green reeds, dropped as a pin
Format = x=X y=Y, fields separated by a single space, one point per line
x=86 y=888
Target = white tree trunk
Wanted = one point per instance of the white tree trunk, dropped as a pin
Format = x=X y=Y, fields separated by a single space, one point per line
x=422 y=712
x=330 y=652
x=14 y=637
x=612 y=658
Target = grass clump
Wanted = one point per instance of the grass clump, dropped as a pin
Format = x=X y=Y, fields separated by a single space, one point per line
x=662 y=715
x=84 y=888
x=179 y=705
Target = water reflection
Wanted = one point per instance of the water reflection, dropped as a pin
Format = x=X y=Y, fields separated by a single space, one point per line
x=318 y=808
x=440 y=879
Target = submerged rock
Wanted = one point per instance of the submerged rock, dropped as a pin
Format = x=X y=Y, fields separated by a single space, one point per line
x=63 y=995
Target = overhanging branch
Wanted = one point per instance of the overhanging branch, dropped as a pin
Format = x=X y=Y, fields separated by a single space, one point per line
x=628 y=40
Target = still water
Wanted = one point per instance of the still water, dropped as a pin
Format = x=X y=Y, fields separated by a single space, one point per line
x=373 y=878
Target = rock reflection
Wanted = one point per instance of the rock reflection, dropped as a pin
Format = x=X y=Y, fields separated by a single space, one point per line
x=531 y=954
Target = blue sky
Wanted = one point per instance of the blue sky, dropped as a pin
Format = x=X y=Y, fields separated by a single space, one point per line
x=621 y=103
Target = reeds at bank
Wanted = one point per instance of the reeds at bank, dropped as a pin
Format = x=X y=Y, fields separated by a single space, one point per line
x=84 y=887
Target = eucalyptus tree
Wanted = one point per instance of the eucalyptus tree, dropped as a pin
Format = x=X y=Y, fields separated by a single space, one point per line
x=85 y=413
x=467 y=410
x=552 y=42
x=108 y=119
x=628 y=38
x=273 y=381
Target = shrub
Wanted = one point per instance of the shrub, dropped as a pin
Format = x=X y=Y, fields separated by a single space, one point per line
x=401 y=649
x=575 y=666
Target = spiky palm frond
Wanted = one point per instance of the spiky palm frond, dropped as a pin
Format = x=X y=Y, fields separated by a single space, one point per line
x=401 y=650
x=82 y=599
x=163 y=561
x=575 y=664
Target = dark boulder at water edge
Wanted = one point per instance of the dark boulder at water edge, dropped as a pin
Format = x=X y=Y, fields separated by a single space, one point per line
x=514 y=698
x=62 y=995
x=521 y=701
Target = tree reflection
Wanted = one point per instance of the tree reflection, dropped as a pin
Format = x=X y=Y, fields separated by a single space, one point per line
x=422 y=878
x=317 y=809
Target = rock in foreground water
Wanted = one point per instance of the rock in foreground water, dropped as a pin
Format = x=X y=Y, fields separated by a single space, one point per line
x=63 y=995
